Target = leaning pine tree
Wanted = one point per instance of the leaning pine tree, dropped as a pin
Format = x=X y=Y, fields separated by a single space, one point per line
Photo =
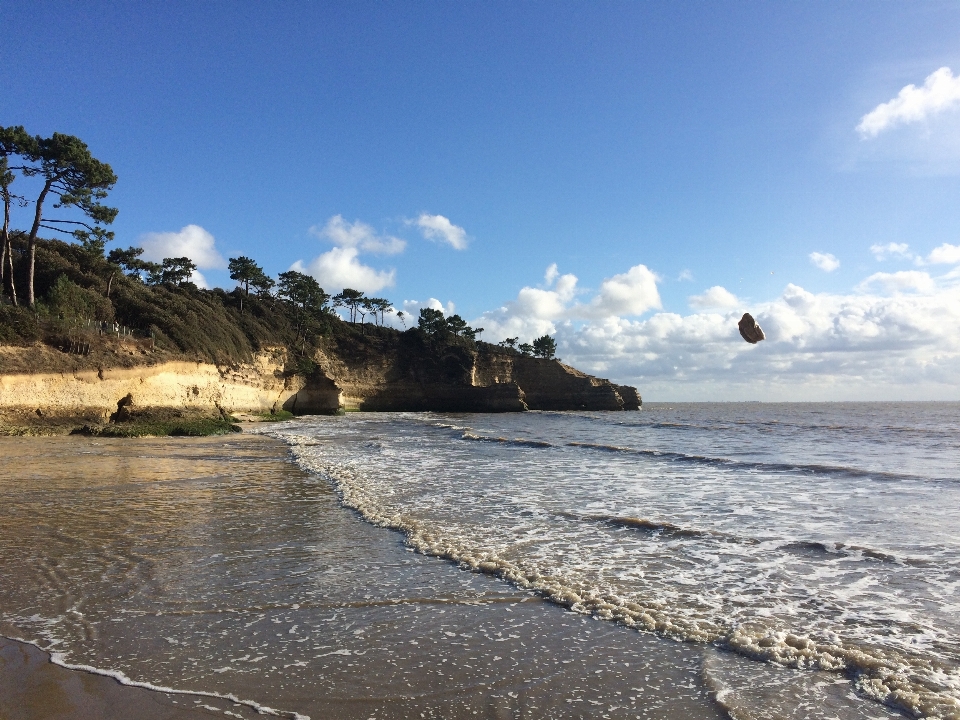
x=71 y=177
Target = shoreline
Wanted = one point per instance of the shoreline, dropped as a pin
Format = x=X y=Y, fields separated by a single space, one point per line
x=35 y=683
x=438 y=646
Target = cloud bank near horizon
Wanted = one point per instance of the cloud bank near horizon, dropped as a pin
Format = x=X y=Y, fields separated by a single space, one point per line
x=893 y=336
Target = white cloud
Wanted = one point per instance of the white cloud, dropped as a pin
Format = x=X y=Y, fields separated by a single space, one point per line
x=946 y=254
x=685 y=275
x=940 y=91
x=893 y=337
x=340 y=268
x=537 y=311
x=439 y=228
x=630 y=293
x=412 y=307
x=716 y=297
x=882 y=252
x=824 y=261
x=551 y=274
x=191 y=241
x=358 y=235
x=903 y=281
x=818 y=347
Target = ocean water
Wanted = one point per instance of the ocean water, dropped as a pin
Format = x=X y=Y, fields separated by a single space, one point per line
x=821 y=541
x=753 y=561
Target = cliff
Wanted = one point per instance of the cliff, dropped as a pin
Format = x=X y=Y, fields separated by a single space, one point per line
x=383 y=370
x=392 y=371
x=98 y=336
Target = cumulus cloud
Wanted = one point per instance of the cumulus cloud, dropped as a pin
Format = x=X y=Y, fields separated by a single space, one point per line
x=630 y=293
x=191 y=241
x=824 y=261
x=440 y=229
x=340 y=267
x=892 y=337
x=898 y=282
x=538 y=310
x=716 y=297
x=940 y=91
x=358 y=235
x=685 y=275
x=882 y=252
x=818 y=347
x=946 y=254
x=412 y=308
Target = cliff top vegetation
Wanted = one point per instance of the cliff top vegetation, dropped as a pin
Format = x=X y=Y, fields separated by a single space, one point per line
x=77 y=297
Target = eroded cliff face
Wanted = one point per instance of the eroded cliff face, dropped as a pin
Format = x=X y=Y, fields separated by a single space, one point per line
x=379 y=374
x=386 y=372
x=64 y=391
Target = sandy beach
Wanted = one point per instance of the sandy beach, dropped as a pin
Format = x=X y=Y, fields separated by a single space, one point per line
x=216 y=566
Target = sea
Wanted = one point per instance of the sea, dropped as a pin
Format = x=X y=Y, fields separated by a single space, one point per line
x=744 y=560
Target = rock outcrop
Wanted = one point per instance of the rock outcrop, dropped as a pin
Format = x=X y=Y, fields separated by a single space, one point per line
x=401 y=375
x=377 y=372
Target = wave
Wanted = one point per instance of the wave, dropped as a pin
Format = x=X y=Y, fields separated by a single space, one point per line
x=812 y=468
x=58 y=658
x=881 y=675
x=518 y=442
x=918 y=683
x=808 y=548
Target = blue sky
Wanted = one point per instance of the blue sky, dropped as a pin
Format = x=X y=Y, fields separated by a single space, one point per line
x=713 y=145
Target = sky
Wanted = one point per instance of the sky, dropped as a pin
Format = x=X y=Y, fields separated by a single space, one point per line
x=627 y=177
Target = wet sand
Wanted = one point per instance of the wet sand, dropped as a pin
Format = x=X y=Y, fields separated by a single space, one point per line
x=215 y=565
x=32 y=687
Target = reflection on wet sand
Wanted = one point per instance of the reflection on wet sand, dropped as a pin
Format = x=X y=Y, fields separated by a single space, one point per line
x=215 y=565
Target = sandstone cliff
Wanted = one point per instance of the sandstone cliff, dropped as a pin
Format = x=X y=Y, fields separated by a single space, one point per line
x=386 y=371
x=402 y=372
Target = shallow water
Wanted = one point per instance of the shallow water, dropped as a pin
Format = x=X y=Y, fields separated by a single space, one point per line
x=820 y=537
x=217 y=566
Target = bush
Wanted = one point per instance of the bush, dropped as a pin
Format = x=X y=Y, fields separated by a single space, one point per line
x=69 y=301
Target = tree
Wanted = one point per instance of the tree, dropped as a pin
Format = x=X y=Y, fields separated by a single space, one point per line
x=306 y=295
x=125 y=260
x=525 y=349
x=302 y=290
x=509 y=343
x=244 y=270
x=365 y=306
x=379 y=305
x=172 y=271
x=72 y=176
x=263 y=284
x=350 y=299
x=401 y=316
x=129 y=261
x=545 y=347
x=6 y=256
x=431 y=321
x=457 y=325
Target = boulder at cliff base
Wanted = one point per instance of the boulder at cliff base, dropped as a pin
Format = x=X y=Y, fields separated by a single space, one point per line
x=749 y=330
